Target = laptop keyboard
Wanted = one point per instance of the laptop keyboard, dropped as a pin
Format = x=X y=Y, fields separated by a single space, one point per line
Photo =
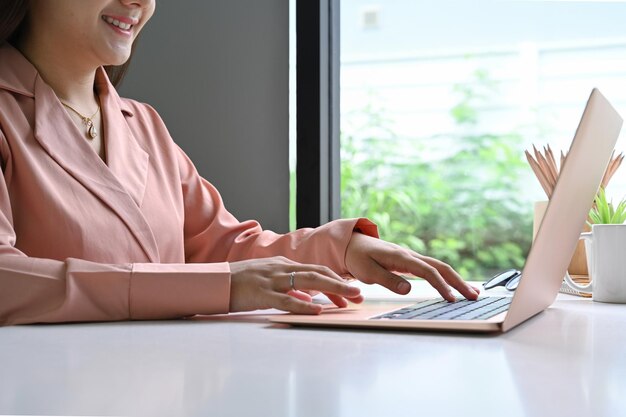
x=440 y=309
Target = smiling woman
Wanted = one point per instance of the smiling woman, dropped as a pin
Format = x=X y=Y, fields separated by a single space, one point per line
x=103 y=217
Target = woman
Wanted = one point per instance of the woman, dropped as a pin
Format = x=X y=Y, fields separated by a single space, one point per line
x=103 y=217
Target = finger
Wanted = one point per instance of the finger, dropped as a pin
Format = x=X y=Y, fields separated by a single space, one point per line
x=312 y=293
x=375 y=273
x=310 y=280
x=337 y=300
x=391 y=281
x=451 y=277
x=320 y=269
x=300 y=295
x=292 y=304
x=343 y=302
x=356 y=300
x=404 y=262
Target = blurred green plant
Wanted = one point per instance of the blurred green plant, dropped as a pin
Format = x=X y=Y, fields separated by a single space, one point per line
x=455 y=197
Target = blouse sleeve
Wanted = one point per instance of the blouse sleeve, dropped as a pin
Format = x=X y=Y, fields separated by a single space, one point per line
x=38 y=290
x=212 y=234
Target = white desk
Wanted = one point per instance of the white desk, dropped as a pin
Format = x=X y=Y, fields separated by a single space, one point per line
x=568 y=361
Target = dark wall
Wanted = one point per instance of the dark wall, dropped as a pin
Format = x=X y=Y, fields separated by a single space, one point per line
x=217 y=72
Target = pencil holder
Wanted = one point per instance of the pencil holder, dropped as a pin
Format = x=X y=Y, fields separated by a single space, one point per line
x=578 y=264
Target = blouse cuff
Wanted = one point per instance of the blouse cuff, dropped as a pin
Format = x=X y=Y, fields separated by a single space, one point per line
x=366 y=227
x=160 y=291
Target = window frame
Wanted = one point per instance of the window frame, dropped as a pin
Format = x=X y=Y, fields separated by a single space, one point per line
x=318 y=175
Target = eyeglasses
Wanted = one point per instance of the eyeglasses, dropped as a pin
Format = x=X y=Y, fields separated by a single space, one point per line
x=509 y=279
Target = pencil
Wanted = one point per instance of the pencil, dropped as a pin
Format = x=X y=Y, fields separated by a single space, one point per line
x=539 y=174
x=552 y=159
x=543 y=165
x=552 y=163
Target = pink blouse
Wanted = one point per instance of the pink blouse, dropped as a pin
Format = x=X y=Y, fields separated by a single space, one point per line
x=141 y=236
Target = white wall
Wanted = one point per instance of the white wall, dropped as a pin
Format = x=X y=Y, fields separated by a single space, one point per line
x=217 y=72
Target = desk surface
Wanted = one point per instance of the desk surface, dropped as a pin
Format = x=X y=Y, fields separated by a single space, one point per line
x=568 y=361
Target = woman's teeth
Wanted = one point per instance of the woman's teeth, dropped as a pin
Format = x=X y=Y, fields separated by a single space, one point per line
x=115 y=22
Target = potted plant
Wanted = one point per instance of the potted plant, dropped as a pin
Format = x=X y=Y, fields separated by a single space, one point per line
x=604 y=212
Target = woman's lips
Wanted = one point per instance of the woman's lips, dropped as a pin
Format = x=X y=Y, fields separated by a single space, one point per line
x=121 y=24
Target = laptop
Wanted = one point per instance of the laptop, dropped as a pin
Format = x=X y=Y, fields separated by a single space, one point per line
x=545 y=265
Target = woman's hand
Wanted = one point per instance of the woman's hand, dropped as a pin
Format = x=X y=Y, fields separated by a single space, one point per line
x=373 y=260
x=266 y=283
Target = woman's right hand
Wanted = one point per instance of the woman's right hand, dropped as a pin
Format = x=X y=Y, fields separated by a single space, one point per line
x=266 y=283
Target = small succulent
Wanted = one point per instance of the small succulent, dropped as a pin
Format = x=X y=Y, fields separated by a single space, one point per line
x=604 y=212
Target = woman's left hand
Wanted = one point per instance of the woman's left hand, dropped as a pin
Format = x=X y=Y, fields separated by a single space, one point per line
x=375 y=261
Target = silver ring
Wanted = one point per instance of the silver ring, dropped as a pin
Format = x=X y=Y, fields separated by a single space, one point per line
x=292 y=278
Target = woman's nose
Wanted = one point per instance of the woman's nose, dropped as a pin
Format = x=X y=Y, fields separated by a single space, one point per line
x=137 y=3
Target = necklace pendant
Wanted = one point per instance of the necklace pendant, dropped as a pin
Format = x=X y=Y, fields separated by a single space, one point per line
x=93 y=132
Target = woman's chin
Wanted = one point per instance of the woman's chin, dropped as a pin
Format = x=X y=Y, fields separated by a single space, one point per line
x=119 y=60
x=117 y=56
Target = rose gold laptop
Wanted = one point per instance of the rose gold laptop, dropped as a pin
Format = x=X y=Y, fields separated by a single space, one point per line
x=547 y=261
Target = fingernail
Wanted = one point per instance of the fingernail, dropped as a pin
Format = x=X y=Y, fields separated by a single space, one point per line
x=404 y=287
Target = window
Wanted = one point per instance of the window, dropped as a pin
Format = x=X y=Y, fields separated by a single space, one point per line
x=439 y=99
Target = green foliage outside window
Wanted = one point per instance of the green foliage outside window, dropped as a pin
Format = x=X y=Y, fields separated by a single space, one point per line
x=452 y=196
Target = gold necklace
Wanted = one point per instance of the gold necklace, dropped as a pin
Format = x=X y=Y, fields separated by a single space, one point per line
x=92 y=132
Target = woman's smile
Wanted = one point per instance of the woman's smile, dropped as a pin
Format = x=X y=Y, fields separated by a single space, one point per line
x=121 y=24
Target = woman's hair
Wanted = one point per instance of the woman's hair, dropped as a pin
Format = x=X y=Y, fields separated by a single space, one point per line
x=13 y=19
